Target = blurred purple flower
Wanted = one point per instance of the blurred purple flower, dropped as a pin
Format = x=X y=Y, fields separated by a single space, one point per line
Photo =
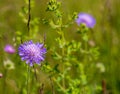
x=86 y=19
x=32 y=53
x=9 y=49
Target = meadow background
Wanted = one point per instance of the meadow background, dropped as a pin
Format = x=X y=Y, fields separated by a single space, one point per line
x=105 y=35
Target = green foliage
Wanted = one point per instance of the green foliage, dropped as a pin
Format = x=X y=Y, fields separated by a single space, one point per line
x=65 y=83
x=72 y=65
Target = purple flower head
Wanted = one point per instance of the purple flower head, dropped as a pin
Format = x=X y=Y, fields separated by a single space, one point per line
x=31 y=52
x=86 y=19
x=9 y=49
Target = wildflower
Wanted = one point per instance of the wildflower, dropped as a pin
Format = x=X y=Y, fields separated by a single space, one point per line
x=101 y=67
x=8 y=64
x=84 y=18
x=31 y=52
x=9 y=49
x=91 y=43
x=1 y=75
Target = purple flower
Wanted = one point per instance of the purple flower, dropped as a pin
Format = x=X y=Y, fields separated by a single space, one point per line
x=32 y=53
x=86 y=19
x=9 y=49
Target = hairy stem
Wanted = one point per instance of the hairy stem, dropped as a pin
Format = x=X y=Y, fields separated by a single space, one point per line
x=28 y=79
x=28 y=27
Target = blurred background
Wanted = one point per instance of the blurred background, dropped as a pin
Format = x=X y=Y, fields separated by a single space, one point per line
x=106 y=35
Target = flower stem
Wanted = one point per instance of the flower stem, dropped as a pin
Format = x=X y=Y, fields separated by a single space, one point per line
x=28 y=79
x=63 y=65
x=86 y=49
x=4 y=85
x=28 y=27
x=35 y=73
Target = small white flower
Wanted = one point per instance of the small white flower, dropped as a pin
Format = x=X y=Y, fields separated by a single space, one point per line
x=101 y=67
x=8 y=64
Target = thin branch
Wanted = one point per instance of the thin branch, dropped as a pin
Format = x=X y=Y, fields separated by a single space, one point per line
x=29 y=16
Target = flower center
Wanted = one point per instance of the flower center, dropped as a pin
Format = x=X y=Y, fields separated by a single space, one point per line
x=33 y=49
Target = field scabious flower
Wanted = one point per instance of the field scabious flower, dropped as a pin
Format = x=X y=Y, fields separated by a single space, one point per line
x=9 y=49
x=32 y=53
x=87 y=19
